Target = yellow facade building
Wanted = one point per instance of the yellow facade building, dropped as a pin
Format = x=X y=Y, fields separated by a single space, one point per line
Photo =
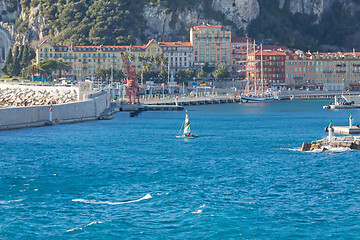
x=86 y=60
x=211 y=44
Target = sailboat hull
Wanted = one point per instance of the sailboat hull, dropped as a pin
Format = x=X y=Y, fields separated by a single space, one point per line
x=194 y=136
x=252 y=99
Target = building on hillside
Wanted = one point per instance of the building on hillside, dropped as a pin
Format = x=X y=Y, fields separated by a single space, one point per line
x=274 y=48
x=337 y=71
x=273 y=66
x=239 y=48
x=300 y=71
x=179 y=56
x=211 y=44
x=86 y=60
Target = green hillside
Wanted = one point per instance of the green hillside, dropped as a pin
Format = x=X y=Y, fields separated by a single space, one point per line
x=121 y=22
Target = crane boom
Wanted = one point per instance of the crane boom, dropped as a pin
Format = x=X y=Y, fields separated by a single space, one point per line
x=132 y=89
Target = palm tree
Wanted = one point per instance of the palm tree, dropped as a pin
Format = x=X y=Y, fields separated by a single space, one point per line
x=47 y=66
x=62 y=66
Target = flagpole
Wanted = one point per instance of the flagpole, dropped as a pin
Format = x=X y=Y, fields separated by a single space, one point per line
x=183 y=89
x=163 y=87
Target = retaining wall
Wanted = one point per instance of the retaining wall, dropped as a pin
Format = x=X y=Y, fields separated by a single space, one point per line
x=20 y=117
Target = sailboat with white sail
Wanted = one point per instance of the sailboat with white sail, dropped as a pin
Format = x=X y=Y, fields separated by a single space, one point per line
x=255 y=89
x=185 y=129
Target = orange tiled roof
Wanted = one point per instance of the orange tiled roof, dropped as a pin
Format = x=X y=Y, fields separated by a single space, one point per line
x=210 y=26
x=150 y=42
x=268 y=53
x=176 y=44
x=95 y=48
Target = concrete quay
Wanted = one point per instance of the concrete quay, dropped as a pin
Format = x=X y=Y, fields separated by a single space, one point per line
x=136 y=109
x=193 y=100
x=345 y=130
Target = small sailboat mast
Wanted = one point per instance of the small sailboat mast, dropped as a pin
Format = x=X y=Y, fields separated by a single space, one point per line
x=186 y=132
x=187 y=124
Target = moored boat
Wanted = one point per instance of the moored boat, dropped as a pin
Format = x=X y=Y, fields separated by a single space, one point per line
x=256 y=99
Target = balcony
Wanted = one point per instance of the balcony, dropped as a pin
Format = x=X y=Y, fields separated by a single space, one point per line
x=341 y=71
x=341 y=65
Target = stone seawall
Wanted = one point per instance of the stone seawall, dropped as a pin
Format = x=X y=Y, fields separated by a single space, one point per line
x=351 y=142
x=16 y=95
x=20 y=117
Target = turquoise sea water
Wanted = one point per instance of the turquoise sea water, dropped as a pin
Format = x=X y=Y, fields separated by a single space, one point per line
x=130 y=178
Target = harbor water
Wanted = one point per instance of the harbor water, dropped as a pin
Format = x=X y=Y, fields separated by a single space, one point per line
x=131 y=178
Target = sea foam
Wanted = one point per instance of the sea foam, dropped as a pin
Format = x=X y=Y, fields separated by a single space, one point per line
x=81 y=228
x=11 y=201
x=329 y=149
x=147 y=196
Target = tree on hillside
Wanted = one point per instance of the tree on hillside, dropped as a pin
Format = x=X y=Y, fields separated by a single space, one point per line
x=208 y=69
x=221 y=73
x=62 y=66
x=16 y=66
x=202 y=74
x=8 y=66
x=47 y=66
x=17 y=60
x=187 y=74
x=105 y=74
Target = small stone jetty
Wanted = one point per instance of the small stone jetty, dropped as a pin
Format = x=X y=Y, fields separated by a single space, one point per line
x=352 y=142
x=21 y=97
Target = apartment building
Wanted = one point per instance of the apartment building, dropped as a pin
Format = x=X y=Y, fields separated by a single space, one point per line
x=239 y=48
x=179 y=56
x=271 y=68
x=300 y=70
x=337 y=71
x=211 y=44
x=86 y=60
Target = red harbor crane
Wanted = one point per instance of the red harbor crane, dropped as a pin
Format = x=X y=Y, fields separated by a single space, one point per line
x=132 y=89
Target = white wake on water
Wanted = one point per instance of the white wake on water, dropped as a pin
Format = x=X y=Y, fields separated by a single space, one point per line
x=200 y=210
x=331 y=149
x=147 y=196
x=80 y=228
x=11 y=201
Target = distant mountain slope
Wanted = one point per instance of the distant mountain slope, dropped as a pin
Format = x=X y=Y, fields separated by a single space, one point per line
x=304 y=24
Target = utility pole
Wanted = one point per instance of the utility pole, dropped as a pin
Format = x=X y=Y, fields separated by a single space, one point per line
x=168 y=72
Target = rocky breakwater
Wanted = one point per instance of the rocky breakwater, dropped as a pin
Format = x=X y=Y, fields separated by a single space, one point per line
x=352 y=142
x=21 y=97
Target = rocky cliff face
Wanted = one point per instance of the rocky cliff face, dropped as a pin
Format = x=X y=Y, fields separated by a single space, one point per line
x=239 y=12
x=168 y=25
x=32 y=21
x=164 y=24
x=35 y=23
